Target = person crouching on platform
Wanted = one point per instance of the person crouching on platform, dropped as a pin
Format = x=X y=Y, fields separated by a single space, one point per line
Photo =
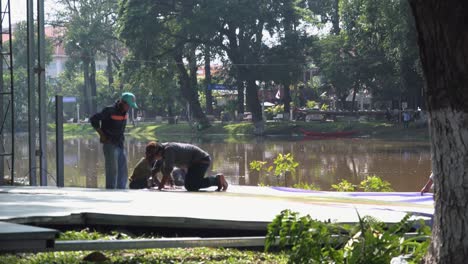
x=144 y=174
x=194 y=160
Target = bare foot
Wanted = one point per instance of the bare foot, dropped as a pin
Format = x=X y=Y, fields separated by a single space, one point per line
x=222 y=183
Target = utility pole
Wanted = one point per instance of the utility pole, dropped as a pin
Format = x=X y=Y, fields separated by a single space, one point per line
x=42 y=92
x=31 y=95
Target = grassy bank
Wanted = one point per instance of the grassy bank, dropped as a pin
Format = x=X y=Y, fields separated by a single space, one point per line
x=163 y=255
x=176 y=255
x=379 y=130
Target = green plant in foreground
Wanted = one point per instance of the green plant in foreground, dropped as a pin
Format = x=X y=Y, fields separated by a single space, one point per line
x=370 y=241
x=375 y=184
x=344 y=186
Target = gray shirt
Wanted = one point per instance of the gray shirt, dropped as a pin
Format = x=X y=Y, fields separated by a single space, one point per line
x=181 y=155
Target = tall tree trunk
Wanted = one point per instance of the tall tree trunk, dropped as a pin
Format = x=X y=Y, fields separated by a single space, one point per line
x=110 y=73
x=240 y=98
x=336 y=18
x=443 y=42
x=287 y=98
x=86 y=89
x=189 y=93
x=253 y=104
x=92 y=85
x=353 y=102
x=209 y=97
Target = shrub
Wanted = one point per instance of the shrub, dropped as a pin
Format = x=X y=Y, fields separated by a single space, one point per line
x=306 y=186
x=369 y=241
x=375 y=184
x=344 y=186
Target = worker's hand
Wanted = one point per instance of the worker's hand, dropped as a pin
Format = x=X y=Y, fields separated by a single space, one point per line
x=425 y=189
x=103 y=139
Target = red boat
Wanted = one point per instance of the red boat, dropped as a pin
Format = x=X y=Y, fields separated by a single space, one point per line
x=327 y=134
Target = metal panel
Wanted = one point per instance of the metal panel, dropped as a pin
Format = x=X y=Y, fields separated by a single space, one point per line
x=225 y=242
x=20 y=238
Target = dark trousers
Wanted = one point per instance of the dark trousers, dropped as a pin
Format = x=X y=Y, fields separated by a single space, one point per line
x=195 y=178
x=138 y=184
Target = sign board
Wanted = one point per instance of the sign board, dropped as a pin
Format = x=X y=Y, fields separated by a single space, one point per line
x=66 y=99
x=215 y=86
x=404 y=105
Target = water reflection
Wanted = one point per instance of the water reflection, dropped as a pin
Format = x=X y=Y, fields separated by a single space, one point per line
x=406 y=165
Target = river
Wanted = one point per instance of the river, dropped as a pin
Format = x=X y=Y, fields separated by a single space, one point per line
x=405 y=164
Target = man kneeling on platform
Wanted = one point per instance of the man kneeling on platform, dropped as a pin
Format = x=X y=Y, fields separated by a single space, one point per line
x=145 y=173
x=196 y=162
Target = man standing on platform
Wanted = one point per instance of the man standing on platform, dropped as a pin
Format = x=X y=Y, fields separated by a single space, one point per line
x=110 y=124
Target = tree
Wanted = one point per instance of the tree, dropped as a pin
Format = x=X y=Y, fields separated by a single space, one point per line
x=90 y=33
x=242 y=36
x=162 y=31
x=443 y=42
x=375 y=49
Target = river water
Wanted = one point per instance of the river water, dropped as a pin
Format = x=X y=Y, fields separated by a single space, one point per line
x=405 y=164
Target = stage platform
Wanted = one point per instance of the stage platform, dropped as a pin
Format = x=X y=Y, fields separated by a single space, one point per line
x=240 y=208
x=243 y=212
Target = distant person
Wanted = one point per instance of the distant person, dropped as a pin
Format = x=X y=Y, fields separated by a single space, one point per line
x=429 y=184
x=144 y=173
x=406 y=119
x=110 y=124
x=195 y=160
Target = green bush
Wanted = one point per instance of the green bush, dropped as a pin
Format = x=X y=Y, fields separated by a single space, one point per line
x=311 y=104
x=375 y=184
x=306 y=186
x=344 y=186
x=283 y=164
x=370 y=241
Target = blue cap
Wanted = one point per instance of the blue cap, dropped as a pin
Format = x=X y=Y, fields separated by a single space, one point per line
x=129 y=98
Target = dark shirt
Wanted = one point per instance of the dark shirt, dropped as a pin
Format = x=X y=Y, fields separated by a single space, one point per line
x=112 y=121
x=143 y=170
x=182 y=155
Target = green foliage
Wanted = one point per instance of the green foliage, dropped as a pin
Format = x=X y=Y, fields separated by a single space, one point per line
x=375 y=184
x=369 y=241
x=306 y=186
x=344 y=186
x=84 y=234
x=374 y=242
x=311 y=104
x=370 y=184
x=273 y=110
x=257 y=165
x=284 y=164
x=312 y=241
